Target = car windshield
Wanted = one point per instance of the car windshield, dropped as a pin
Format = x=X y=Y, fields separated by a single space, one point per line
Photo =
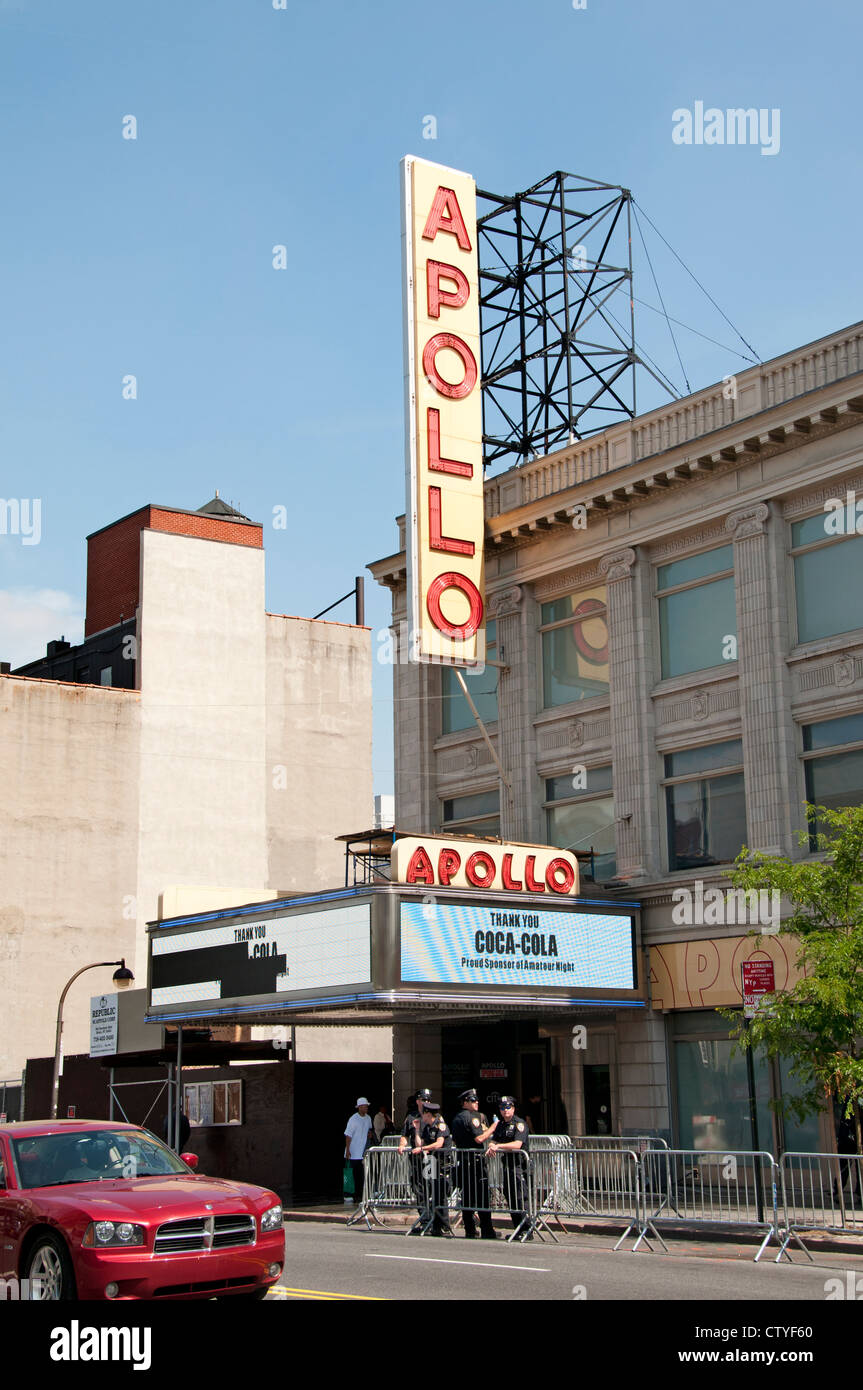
x=49 y=1160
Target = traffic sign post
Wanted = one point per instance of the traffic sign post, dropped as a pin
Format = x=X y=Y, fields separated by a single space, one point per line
x=758 y=979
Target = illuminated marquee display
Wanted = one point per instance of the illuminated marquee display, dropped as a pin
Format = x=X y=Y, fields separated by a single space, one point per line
x=443 y=414
x=472 y=864
x=279 y=956
x=538 y=950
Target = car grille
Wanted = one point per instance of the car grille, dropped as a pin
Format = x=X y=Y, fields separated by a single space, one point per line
x=204 y=1233
x=210 y=1286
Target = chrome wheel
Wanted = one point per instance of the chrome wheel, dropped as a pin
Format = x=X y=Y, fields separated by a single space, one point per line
x=46 y=1273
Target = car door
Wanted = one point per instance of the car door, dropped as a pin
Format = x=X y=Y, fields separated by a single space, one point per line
x=7 y=1243
x=16 y=1213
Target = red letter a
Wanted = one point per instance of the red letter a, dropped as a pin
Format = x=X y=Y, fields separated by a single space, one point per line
x=445 y=216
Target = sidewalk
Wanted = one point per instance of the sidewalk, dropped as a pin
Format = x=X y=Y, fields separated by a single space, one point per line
x=679 y=1239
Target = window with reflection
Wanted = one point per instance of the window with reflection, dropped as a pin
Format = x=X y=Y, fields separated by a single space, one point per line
x=705 y=805
x=833 y=765
x=827 y=578
x=482 y=684
x=574 y=635
x=580 y=817
x=697 y=612
x=477 y=814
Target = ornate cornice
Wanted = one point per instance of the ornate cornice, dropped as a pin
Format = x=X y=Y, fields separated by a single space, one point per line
x=686 y=542
x=554 y=584
x=837 y=487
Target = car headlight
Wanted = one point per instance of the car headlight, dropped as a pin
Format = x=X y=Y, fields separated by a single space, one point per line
x=272 y=1219
x=101 y=1234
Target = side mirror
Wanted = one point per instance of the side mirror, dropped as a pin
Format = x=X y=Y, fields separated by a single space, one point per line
x=190 y=1160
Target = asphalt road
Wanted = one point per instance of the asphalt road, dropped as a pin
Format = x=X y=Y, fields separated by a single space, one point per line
x=331 y=1262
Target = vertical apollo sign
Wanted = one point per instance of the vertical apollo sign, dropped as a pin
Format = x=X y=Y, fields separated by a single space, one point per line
x=443 y=414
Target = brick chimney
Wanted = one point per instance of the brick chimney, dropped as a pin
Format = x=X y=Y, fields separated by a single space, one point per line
x=114 y=552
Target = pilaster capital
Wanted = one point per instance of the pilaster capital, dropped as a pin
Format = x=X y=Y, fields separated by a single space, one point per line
x=618 y=564
x=748 y=521
x=505 y=601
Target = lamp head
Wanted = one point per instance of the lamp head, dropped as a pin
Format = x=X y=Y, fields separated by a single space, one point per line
x=123 y=977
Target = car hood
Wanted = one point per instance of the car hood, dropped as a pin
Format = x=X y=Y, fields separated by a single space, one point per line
x=163 y=1198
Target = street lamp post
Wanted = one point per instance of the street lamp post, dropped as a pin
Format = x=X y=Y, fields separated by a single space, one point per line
x=122 y=979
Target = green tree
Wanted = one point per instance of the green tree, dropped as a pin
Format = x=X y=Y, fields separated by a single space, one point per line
x=816 y=1025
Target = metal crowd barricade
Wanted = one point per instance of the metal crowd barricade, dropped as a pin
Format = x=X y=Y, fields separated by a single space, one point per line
x=444 y=1182
x=820 y=1192
x=716 y=1187
x=493 y=1184
x=387 y=1184
x=591 y=1183
x=636 y=1143
x=549 y=1141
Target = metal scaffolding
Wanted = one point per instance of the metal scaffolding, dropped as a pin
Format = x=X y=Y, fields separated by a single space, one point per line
x=558 y=339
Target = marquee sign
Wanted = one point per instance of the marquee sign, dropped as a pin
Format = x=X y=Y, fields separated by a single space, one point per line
x=472 y=864
x=279 y=956
x=459 y=945
x=397 y=947
x=443 y=414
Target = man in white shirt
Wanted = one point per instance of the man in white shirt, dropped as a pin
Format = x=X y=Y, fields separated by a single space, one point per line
x=356 y=1136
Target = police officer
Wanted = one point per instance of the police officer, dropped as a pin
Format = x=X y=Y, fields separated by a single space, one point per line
x=435 y=1156
x=469 y=1133
x=411 y=1141
x=512 y=1140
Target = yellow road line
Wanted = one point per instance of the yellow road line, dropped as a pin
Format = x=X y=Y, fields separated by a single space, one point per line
x=323 y=1294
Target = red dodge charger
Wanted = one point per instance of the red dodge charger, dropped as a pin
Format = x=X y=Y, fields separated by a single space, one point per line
x=92 y=1209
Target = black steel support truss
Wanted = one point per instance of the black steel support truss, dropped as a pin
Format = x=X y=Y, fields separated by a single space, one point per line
x=558 y=337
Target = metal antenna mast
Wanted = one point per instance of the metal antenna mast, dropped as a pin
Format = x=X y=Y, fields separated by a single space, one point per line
x=558 y=363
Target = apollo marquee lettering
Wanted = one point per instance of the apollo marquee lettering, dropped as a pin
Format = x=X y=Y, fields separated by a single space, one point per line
x=469 y=864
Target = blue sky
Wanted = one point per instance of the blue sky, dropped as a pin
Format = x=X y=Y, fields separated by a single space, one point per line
x=258 y=127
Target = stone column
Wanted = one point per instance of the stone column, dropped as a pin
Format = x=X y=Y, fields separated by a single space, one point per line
x=512 y=609
x=416 y=1062
x=643 y=1073
x=631 y=667
x=762 y=714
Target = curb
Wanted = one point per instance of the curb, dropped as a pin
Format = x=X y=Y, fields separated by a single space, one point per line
x=816 y=1243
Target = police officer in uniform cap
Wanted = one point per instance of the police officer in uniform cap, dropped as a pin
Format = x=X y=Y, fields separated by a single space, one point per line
x=469 y=1133
x=434 y=1155
x=410 y=1141
x=413 y=1119
x=512 y=1141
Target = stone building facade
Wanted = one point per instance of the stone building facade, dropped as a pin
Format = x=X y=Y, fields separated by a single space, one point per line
x=678 y=618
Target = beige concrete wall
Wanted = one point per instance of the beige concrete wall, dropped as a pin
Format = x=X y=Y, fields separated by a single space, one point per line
x=246 y=749
x=202 y=674
x=185 y=900
x=68 y=840
x=344 y=1044
x=319 y=748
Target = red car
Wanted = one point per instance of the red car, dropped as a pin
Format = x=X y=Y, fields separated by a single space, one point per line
x=92 y=1209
